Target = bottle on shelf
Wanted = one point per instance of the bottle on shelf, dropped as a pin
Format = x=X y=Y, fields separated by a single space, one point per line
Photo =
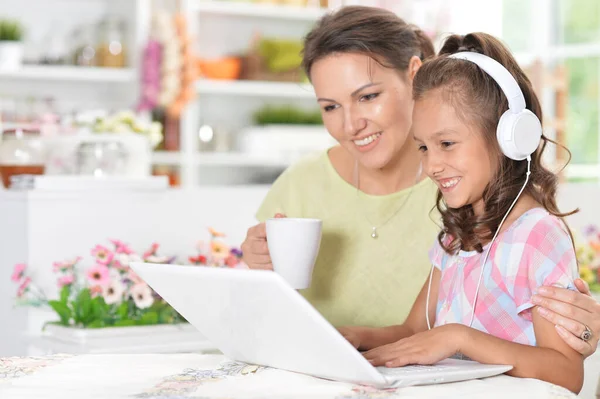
x=111 y=50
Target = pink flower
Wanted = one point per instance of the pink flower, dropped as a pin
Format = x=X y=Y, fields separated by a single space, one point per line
x=121 y=247
x=135 y=279
x=142 y=295
x=18 y=272
x=65 y=280
x=23 y=287
x=103 y=255
x=123 y=260
x=95 y=290
x=231 y=261
x=151 y=251
x=66 y=265
x=57 y=267
x=98 y=275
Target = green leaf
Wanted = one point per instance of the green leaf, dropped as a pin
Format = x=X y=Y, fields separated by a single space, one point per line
x=62 y=310
x=99 y=309
x=96 y=324
x=83 y=306
x=124 y=323
x=149 y=318
x=123 y=310
x=64 y=294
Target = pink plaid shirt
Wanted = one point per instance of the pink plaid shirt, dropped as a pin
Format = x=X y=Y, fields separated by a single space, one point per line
x=535 y=250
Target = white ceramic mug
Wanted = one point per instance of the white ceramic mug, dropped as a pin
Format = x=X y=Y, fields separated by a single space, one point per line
x=294 y=245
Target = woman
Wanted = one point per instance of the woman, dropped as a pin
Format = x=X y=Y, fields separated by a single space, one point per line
x=375 y=204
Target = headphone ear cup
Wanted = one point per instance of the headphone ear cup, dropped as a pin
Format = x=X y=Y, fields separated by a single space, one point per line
x=519 y=134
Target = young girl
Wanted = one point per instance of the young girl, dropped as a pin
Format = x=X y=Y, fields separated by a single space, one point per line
x=503 y=236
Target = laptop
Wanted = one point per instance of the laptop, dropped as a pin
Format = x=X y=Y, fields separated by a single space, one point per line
x=255 y=317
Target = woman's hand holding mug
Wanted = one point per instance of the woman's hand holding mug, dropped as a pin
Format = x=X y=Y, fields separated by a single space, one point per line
x=254 y=248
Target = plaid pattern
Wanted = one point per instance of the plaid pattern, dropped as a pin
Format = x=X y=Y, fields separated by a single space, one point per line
x=535 y=250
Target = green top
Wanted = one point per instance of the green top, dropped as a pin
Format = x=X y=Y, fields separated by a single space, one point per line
x=359 y=280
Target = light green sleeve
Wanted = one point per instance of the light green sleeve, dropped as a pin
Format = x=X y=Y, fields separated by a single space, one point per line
x=284 y=197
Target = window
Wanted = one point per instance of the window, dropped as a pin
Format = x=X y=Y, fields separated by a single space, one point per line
x=564 y=32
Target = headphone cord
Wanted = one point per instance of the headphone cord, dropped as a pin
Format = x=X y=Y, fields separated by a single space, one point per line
x=486 y=253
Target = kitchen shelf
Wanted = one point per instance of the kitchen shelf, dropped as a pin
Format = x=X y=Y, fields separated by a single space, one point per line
x=238 y=159
x=235 y=159
x=72 y=73
x=294 y=13
x=255 y=88
x=170 y=158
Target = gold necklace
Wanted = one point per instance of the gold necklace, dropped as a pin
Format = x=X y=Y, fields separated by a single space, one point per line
x=374 y=233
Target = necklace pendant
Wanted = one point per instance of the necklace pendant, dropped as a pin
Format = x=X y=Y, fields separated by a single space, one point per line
x=374 y=233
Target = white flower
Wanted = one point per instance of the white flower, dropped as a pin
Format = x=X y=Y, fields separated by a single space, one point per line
x=124 y=259
x=89 y=117
x=113 y=292
x=114 y=274
x=157 y=259
x=121 y=128
x=142 y=295
x=126 y=116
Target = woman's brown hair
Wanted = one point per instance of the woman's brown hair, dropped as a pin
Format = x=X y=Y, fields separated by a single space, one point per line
x=477 y=98
x=375 y=32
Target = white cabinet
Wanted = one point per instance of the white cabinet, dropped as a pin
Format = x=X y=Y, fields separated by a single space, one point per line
x=42 y=226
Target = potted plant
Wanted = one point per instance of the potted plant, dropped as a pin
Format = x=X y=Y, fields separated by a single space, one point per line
x=11 y=46
x=105 y=306
x=286 y=132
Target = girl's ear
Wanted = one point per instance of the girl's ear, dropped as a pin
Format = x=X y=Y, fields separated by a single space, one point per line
x=413 y=66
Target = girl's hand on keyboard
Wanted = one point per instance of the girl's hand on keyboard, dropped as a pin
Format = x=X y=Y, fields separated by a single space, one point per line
x=427 y=347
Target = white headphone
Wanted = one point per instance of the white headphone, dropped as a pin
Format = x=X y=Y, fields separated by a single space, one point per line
x=519 y=132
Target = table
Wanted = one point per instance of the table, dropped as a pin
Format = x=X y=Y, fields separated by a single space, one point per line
x=180 y=376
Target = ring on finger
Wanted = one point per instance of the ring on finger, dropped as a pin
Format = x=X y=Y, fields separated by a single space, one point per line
x=587 y=334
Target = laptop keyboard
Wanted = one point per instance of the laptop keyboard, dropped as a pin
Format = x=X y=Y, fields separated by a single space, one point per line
x=413 y=369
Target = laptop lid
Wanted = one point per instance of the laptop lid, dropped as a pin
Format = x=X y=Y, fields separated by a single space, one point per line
x=256 y=317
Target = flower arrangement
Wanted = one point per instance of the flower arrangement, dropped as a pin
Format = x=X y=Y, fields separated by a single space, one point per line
x=106 y=294
x=109 y=293
x=121 y=122
x=588 y=256
x=217 y=253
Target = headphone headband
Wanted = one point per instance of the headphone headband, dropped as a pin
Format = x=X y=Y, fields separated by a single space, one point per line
x=507 y=82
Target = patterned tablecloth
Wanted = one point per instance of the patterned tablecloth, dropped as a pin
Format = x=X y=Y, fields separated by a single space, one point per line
x=182 y=376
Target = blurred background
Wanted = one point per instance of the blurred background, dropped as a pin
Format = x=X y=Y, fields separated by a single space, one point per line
x=151 y=122
x=222 y=84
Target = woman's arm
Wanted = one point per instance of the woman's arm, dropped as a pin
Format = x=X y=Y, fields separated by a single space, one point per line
x=574 y=311
x=366 y=338
x=552 y=360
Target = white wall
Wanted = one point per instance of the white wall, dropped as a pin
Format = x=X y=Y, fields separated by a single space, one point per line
x=39 y=228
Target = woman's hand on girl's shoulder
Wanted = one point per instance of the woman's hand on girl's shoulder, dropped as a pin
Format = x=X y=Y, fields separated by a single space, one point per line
x=574 y=311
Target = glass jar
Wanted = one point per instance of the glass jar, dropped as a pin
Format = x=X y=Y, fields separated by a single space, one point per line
x=21 y=153
x=84 y=53
x=111 y=50
x=101 y=158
